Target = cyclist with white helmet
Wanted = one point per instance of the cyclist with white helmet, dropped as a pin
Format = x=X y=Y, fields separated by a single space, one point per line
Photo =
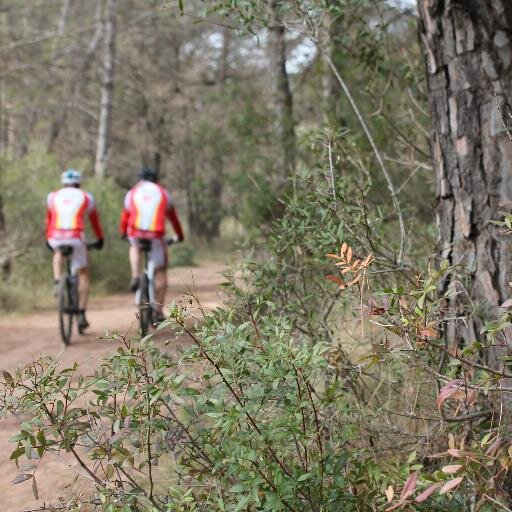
x=66 y=209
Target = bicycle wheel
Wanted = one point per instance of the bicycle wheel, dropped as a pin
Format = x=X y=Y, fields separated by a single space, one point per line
x=65 y=310
x=145 y=309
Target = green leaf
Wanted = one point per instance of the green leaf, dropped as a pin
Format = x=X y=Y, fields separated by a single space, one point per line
x=109 y=471
x=16 y=454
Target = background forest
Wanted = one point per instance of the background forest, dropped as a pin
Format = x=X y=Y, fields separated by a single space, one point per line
x=352 y=159
x=225 y=109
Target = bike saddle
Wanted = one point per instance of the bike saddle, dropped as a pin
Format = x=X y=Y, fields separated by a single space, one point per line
x=66 y=250
x=145 y=245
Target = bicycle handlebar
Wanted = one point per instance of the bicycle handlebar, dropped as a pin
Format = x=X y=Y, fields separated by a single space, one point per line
x=171 y=241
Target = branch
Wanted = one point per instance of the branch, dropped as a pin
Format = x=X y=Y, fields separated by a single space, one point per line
x=391 y=188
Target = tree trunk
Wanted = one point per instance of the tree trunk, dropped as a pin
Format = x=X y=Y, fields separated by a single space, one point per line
x=468 y=52
x=103 y=145
x=5 y=260
x=332 y=91
x=282 y=92
x=76 y=84
x=61 y=27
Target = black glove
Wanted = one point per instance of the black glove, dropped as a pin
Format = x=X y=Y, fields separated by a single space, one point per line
x=99 y=244
x=50 y=248
x=124 y=236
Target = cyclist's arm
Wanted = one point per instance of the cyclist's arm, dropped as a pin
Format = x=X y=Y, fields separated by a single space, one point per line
x=123 y=223
x=125 y=215
x=94 y=219
x=48 y=220
x=173 y=218
x=48 y=223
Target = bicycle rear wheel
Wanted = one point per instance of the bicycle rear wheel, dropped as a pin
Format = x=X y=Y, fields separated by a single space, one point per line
x=145 y=309
x=65 y=310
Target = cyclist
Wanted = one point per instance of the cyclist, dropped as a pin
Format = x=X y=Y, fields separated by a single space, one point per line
x=65 y=212
x=146 y=206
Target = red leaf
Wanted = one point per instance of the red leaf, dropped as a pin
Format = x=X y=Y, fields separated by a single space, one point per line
x=454 y=452
x=452 y=469
x=395 y=506
x=448 y=390
x=427 y=332
x=409 y=486
x=427 y=492
x=335 y=279
x=451 y=485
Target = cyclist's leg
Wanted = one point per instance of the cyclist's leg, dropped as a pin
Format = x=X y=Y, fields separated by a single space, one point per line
x=135 y=256
x=57 y=265
x=80 y=266
x=160 y=288
x=84 y=285
x=158 y=257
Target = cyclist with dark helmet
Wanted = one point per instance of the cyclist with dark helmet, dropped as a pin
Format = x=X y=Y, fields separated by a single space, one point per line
x=66 y=209
x=146 y=207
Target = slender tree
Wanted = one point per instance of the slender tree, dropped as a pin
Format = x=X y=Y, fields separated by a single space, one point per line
x=282 y=92
x=107 y=90
x=467 y=47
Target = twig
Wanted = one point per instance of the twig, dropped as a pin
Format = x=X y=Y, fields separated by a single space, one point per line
x=391 y=188
x=331 y=167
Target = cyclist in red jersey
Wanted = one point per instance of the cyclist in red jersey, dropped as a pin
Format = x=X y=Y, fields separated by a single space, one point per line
x=66 y=209
x=146 y=207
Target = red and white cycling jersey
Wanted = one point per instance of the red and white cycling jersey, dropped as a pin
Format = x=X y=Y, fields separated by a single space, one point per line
x=65 y=213
x=146 y=206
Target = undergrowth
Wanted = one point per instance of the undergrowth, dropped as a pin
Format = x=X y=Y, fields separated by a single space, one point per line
x=322 y=384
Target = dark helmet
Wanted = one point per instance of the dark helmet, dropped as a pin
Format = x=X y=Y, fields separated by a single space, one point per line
x=148 y=174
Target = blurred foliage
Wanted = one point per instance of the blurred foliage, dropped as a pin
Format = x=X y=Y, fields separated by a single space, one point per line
x=182 y=255
x=25 y=186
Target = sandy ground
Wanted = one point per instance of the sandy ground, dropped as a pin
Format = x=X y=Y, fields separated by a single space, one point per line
x=25 y=338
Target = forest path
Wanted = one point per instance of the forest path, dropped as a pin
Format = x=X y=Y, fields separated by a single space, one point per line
x=24 y=339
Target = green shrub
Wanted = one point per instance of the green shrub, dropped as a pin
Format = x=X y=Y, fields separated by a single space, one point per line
x=181 y=255
x=259 y=429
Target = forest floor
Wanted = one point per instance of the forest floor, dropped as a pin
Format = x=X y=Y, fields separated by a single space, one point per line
x=24 y=339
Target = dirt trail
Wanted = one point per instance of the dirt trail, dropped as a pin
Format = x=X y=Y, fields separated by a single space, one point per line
x=25 y=339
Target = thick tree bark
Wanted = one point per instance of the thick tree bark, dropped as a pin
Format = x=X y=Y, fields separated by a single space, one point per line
x=282 y=91
x=107 y=90
x=467 y=46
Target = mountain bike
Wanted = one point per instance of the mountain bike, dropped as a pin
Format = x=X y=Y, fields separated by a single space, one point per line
x=145 y=295
x=67 y=297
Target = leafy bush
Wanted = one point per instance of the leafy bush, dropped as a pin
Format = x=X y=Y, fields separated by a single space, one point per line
x=263 y=412
x=259 y=428
x=299 y=394
x=182 y=255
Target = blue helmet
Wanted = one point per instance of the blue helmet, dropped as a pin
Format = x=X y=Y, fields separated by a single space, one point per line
x=71 y=177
